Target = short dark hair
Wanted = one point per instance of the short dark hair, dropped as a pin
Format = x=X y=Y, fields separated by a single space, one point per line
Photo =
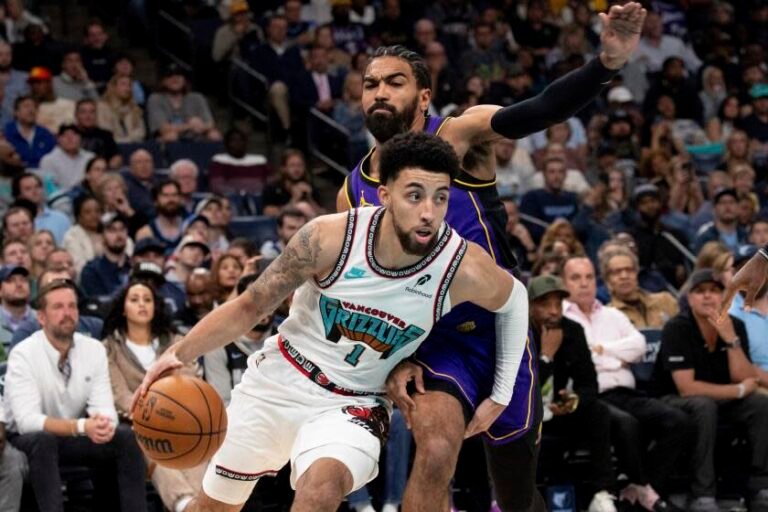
x=418 y=65
x=79 y=202
x=16 y=209
x=418 y=150
x=56 y=284
x=161 y=185
x=290 y=211
x=16 y=182
x=83 y=101
x=246 y=244
x=21 y=99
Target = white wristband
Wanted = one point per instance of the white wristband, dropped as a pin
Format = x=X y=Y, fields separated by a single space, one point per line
x=742 y=390
x=81 y=427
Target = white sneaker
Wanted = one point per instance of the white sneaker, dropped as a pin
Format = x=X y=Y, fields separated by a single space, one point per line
x=602 y=502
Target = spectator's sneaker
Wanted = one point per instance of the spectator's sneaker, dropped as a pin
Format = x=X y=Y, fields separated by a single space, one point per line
x=602 y=502
x=759 y=501
x=704 y=504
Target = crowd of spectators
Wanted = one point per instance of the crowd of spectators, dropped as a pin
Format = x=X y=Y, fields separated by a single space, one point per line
x=626 y=220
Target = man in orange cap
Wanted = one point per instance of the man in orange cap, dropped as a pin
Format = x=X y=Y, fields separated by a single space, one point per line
x=52 y=112
x=226 y=41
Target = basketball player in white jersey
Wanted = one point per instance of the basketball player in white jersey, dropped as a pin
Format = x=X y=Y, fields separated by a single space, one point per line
x=370 y=283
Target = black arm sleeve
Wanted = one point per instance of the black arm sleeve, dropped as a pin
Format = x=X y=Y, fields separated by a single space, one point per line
x=559 y=101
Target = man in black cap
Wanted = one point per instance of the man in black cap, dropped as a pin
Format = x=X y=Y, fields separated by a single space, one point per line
x=620 y=133
x=14 y=299
x=659 y=247
x=725 y=228
x=176 y=113
x=103 y=276
x=564 y=356
x=703 y=369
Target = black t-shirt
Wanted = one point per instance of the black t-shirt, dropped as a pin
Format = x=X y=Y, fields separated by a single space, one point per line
x=683 y=348
x=755 y=128
x=99 y=141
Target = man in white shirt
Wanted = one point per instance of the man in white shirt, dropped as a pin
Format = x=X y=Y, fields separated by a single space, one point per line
x=61 y=410
x=66 y=163
x=13 y=470
x=615 y=344
x=655 y=47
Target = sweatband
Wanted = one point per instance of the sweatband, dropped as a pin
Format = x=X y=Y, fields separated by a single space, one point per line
x=511 y=336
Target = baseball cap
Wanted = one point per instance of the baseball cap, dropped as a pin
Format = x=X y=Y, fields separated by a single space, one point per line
x=238 y=6
x=192 y=219
x=701 y=276
x=759 y=91
x=190 y=240
x=173 y=69
x=148 y=270
x=744 y=253
x=647 y=189
x=39 y=73
x=620 y=94
x=544 y=285
x=203 y=204
x=725 y=191
x=148 y=244
x=9 y=270
x=69 y=127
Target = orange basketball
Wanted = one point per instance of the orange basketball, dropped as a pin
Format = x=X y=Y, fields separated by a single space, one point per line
x=180 y=422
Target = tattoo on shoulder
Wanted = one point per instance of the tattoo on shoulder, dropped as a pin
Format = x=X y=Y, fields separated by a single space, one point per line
x=289 y=270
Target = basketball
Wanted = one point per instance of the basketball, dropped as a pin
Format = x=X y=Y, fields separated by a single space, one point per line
x=180 y=422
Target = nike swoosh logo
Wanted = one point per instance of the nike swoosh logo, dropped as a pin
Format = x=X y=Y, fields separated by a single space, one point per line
x=353 y=275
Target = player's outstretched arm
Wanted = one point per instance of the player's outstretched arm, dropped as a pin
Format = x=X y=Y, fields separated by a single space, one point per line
x=481 y=281
x=563 y=98
x=306 y=255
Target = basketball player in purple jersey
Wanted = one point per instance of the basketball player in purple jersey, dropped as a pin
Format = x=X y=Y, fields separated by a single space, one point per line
x=456 y=361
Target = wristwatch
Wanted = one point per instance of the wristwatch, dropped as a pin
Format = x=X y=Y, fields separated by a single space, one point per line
x=732 y=344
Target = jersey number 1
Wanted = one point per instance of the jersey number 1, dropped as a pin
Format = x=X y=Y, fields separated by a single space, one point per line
x=354 y=357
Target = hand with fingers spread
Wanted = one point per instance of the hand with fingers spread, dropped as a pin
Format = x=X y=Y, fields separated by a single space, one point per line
x=750 y=278
x=622 y=26
x=397 y=387
x=485 y=414
x=165 y=364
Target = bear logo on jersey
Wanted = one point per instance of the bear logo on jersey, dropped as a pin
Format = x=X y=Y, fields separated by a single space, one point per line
x=381 y=331
x=373 y=419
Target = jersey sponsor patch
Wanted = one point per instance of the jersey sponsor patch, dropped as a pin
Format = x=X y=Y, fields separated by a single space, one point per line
x=381 y=331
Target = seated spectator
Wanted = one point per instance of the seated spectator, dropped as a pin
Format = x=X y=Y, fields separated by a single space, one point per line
x=514 y=168
x=574 y=176
x=656 y=46
x=73 y=82
x=226 y=41
x=175 y=113
x=66 y=163
x=620 y=267
x=61 y=261
x=188 y=256
x=299 y=30
x=550 y=202
x=224 y=367
x=95 y=170
x=148 y=262
x=518 y=236
x=140 y=178
x=339 y=60
x=571 y=136
x=84 y=240
x=40 y=245
x=714 y=91
x=293 y=185
x=573 y=410
x=615 y=344
x=36 y=48
x=95 y=139
x=13 y=466
x=10 y=165
x=389 y=27
x=15 y=82
x=30 y=140
x=119 y=113
x=137 y=331
x=68 y=375
x=236 y=169
x=560 y=237
x=725 y=227
x=15 y=294
x=30 y=187
x=18 y=224
x=673 y=83
x=199 y=290
x=245 y=251
x=756 y=124
x=112 y=193
x=185 y=172
x=720 y=126
x=52 y=112
x=166 y=227
x=349 y=113
x=703 y=371
x=289 y=222
x=486 y=59
x=347 y=35
x=103 y=276
x=15 y=252
x=226 y=272
x=97 y=56
x=123 y=68
x=87 y=324
x=758 y=232
x=211 y=209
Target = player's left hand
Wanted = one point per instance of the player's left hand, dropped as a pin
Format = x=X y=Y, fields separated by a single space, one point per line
x=486 y=413
x=397 y=387
x=749 y=278
x=622 y=26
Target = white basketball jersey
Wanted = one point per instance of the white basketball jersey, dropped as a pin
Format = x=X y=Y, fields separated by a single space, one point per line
x=355 y=325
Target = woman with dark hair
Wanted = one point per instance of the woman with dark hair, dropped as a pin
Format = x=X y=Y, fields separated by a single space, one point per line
x=293 y=185
x=226 y=272
x=84 y=240
x=136 y=331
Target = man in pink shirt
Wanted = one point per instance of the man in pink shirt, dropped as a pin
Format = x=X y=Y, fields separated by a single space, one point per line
x=615 y=344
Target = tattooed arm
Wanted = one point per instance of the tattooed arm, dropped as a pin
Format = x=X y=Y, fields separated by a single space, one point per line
x=311 y=252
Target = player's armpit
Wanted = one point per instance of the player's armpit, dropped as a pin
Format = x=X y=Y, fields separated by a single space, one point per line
x=342 y=199
x=471 y=128
x=480 y=281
